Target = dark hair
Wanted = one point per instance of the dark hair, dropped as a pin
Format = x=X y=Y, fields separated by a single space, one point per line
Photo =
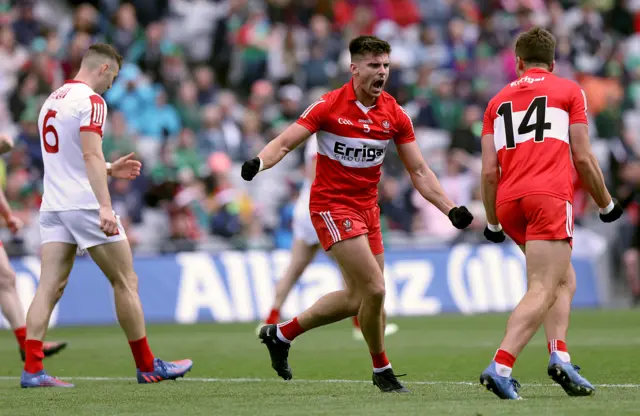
x=106 y=50
x=536 y=46
x=363 y=45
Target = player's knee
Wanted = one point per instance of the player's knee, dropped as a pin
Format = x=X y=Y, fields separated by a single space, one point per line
x=546 y=295
x=569 y=286
x=60 y=289
x=125 y=281
x=375 y=290
x=7 y=281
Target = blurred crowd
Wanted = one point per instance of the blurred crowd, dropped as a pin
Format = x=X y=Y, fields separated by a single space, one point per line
x=207 y=83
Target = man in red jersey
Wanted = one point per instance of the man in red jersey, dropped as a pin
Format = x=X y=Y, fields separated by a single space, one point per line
x=532 y=130
x=353 y=125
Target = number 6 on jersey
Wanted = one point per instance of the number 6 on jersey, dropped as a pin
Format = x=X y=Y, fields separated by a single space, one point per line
x=48 y=130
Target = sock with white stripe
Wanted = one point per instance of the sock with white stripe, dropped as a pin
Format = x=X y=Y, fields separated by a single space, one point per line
x=504 y=363
x=560 y=348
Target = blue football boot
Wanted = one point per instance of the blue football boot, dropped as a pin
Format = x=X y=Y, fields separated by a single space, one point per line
x=568 y=377
x=503 y=387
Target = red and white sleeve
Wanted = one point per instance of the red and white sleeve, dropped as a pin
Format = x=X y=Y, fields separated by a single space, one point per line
x=314 y=116
x=577 y=106
x=405 y=127
x=489 y=118
x=93 y=114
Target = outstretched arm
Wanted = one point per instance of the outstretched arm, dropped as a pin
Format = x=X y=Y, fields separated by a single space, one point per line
x=309 y=122
x=423 y=178
x=279 y=147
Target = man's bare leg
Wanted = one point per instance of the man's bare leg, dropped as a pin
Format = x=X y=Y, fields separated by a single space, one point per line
x=363 y=278
x=556 y=323
x=632 y=272
x=364 y=295
x=13 y=310
x=302 y=255
x=57 y=260
x=556 y=326
x=547 y=265
x=116 y=262
x=9 y=299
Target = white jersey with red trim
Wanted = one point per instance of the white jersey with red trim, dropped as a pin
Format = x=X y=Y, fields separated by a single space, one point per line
x=352 y=141
x=72 y=108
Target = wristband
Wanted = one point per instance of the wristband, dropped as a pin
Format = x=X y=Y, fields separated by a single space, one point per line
x=261 y=165
x=607 y=209
x=108 y=165
x=494 y=228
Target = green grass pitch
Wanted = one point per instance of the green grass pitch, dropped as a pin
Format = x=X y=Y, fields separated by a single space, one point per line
x=442 y=355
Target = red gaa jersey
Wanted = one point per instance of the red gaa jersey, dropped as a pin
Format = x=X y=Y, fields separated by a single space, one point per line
x=530 y=120
x=352 y=140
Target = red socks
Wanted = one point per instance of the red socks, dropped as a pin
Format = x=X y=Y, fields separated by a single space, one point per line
x=380 y=361
x=504 y=358
x=273 y=318
x=21 y=336
x=33 y=356
x=289 y=330
x=556 y=345
x=356 y=323
x=142 y=355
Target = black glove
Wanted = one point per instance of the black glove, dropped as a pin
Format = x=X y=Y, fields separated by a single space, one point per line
x=615 y=213
x=460 y=217
x=494 y=236
x=250 y=169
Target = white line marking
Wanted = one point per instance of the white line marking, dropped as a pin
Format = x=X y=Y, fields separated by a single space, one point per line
x=329 y=381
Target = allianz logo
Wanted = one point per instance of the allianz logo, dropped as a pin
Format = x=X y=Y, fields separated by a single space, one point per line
x=486 y=278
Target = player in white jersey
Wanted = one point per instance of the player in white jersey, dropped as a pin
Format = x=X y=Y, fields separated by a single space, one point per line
x=305 y=245
x=10 y=303
x=76 y=212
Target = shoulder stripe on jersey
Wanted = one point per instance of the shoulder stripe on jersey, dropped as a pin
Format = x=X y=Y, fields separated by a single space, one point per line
x=584 y=95
x=98 y=111
x=308 y=110
x=405 y=113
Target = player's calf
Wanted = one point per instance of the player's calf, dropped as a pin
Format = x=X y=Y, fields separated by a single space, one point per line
x=10 y=304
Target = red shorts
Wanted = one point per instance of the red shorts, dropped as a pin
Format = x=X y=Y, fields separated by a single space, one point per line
x=537 y=217
x=343 y=223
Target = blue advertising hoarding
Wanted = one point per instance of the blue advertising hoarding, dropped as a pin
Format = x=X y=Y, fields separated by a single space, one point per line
x=236 y=286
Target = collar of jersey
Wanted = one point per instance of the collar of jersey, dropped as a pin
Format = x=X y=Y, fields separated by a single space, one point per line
x=536 y=71
x=74 y=81
x=351 y=96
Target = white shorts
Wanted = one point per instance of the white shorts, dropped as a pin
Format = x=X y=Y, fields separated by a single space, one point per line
x=302 y=225
x=80 y=227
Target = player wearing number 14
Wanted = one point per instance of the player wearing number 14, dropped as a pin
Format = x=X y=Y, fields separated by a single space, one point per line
x=533 y=130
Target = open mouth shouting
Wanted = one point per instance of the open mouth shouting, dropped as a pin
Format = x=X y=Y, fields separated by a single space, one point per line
x=377 y=86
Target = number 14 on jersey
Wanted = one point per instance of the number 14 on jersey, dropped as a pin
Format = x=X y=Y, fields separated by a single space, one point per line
x=537 y=105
